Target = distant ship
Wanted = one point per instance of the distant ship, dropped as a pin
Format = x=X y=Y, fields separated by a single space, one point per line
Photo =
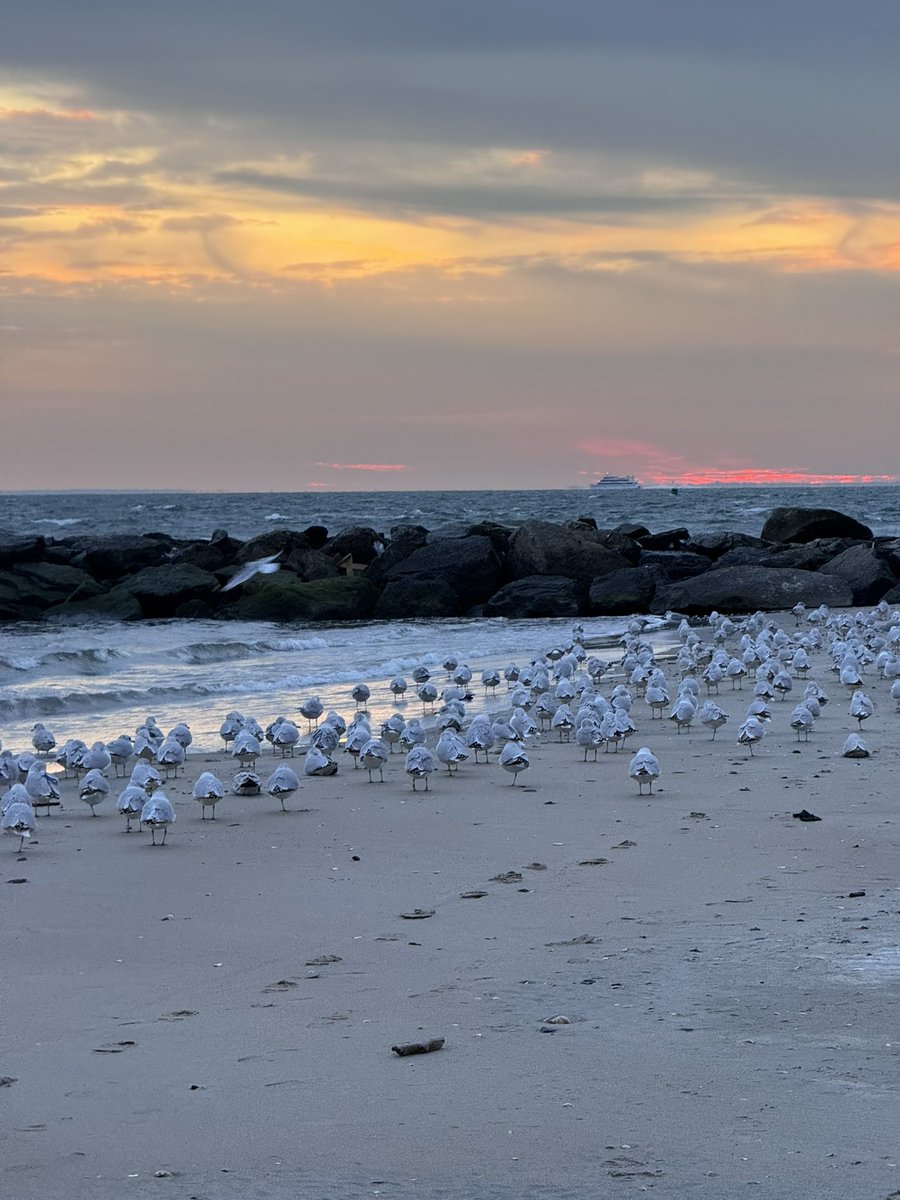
x=616 y=481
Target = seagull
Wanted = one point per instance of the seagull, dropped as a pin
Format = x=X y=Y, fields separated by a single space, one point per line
x=713 y=717
x=419 y=765
x=861 y=707
x=312 y=709
x=644 y=767
x=259 y=566
x=19 y=821
x=130 y=803
x=325 y=739
x=42 y=739
x=360 y=694
x=413 y=735
x=427 y=693
x=285 y=737
x=391 y=730
x=146 y=777
x=683 y=712
x=246 y=783
x=246 y=748
x=120 y=750
x=451 y=750
x=41 y=787
x=317 y=761
x=513 y=759
x=855 y=747
x=281 y=783
x=208 y=791
x=92 y=789
x=158 y=813
x=231 y=727
x=588 y=736
x=181 y=733
x=171 y=755
x=480 y=737
x=355 y=740
x=802 y=721
x=750 y=732
x=398 y=685
x=373 y=755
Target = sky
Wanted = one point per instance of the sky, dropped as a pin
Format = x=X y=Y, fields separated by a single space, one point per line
x=404 y=244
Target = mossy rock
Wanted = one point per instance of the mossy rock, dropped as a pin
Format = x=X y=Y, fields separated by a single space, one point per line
x=284 y=597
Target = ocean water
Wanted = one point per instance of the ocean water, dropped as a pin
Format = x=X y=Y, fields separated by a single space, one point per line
x=96 y=681
x=197 y=514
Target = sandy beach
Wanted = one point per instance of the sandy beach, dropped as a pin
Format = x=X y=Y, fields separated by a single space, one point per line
x=214 y=1018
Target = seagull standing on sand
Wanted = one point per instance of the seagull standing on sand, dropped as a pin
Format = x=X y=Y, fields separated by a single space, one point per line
x=513 y=759
x=750 y=732
x=208 y=791
x=19 y=821
x=317 y=762
x=158 y=813
x=861 y=707
x=373 y=755
x=644 y=767
x=130 y=803
x=282 y=783
x=713 y=717
x=40 y=786
x=42 y=739
x=120 y=750
x=92 y=789
x=419 y=765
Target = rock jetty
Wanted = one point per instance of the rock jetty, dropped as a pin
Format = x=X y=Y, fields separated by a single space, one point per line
x=539 y=569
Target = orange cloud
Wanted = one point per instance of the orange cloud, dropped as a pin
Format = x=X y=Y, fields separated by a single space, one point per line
x=363 y=466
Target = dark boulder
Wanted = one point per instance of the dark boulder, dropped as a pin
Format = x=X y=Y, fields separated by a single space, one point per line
x=417 y=598
x=160 y=590
x=284 y=597
x=627 y=591
x=541 y=548
x=750 y=556
x=42 y=584
x=404 y=540
x=538 y=596
x=108 y=606
x=716 y=545
x=746 y=589
x=311 y=564
x=273 y=541
x=675 y=564
x=21 y=549
x=114 y=556
x=468 y=565
x=582 y=523
x=316 y=536
x=357 y=541
x=809 y=556
x=865 y=571
x=631 y=530
x=497 y=535
x=208 y=556
x=804 y=524
x=668 y=539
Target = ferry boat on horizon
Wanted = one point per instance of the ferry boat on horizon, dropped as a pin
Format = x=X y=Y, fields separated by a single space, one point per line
x=616 y=481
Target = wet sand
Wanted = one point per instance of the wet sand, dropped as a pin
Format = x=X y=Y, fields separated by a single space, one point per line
x=731 y=1009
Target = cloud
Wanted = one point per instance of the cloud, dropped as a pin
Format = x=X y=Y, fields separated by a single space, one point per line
x=334 y=466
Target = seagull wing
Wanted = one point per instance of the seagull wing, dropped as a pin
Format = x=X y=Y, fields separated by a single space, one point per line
x=259 y=566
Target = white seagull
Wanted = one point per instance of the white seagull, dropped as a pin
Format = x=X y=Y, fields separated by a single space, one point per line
x=281 y=783
x=259 y=566
x=158 y=813
x=644 y=767
x=208 y=791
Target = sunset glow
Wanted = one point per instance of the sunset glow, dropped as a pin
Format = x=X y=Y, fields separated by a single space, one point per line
x=408 y=261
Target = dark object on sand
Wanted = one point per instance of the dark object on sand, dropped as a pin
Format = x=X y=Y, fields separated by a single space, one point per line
x=418 y=914
x=854 y=895
x=805 y=815
x=476 y=895
x=418 y=1047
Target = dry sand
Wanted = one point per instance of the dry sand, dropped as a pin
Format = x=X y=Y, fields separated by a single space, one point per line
x=732 y=1011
